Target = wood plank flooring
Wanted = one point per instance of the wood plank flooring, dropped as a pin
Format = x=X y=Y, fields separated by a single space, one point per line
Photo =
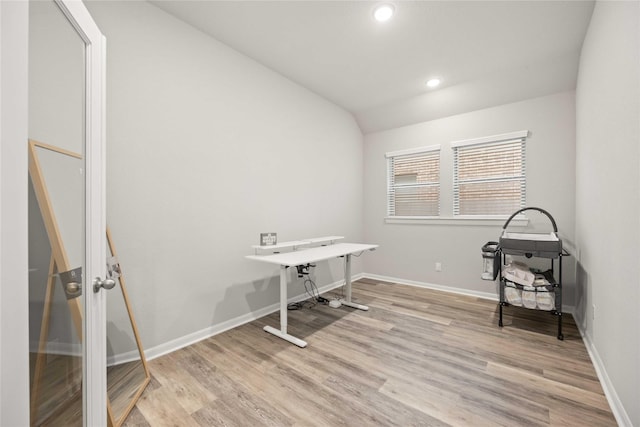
x=418 y=357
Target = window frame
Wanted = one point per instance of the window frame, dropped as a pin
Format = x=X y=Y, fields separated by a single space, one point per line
x=488 y=141
x=391 y=188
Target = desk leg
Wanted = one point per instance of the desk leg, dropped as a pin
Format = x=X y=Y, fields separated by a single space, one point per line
x=282 y=332
x=347 y=277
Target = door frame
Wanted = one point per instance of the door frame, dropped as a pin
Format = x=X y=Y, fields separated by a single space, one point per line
x=94 y=378
x=14 y=258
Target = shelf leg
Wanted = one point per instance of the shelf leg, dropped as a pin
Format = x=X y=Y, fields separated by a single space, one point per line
x=560 y=336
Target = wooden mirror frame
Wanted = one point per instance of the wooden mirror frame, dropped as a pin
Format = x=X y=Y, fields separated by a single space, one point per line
x=60 y=263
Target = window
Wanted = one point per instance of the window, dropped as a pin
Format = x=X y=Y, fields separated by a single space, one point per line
x=414 y=182
x=489 y=175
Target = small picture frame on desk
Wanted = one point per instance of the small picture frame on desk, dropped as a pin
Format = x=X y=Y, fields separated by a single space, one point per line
x=268 y=239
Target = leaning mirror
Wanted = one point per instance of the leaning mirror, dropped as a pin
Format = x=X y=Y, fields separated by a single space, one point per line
x=127 y=370
x=55 y=288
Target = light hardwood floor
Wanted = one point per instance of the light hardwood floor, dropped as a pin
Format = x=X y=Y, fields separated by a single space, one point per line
x=418 y=357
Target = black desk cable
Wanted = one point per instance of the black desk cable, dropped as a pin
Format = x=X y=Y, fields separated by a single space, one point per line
x=310 y=288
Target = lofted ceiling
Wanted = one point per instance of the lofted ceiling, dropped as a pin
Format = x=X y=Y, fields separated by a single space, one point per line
x=486 y=52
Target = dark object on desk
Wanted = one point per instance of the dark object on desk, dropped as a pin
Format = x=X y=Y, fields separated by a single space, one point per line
x=268 y=239
x=303 y=270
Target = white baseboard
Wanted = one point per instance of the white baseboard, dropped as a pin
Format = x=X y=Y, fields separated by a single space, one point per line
x=622 y=418
x=460 y=291
x=126 y=357
x=202 y=334
x=484 y=295
x=58 y=348
x=75 y=349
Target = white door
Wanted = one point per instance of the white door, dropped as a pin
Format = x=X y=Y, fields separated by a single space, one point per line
x=67 y=226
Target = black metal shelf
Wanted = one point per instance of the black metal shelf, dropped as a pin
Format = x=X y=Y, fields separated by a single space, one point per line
x=530 y=247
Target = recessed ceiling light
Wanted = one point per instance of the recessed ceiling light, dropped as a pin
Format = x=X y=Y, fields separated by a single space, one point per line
x=383 y=12
x=433 y=82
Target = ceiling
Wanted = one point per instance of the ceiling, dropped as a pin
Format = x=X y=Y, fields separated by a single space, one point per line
x=486 y=52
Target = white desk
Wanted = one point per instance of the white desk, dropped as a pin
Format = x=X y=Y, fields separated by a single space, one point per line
x=309 y=256
x=295 y=245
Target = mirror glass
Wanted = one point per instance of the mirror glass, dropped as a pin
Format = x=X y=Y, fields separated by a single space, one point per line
x=127 y=373
x=56 y=115
x=54 y=173
x=55 y=303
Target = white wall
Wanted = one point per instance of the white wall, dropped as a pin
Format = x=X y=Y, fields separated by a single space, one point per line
x=608 y=198
x=206 y=149
x=410 y=251
x=14 y=363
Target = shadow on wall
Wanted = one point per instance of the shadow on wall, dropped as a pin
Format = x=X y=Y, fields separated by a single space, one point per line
x=265 y=292
x=303 y=322
x=581 y=292
x=120 y=342
x=246 y=299
x=259 y=297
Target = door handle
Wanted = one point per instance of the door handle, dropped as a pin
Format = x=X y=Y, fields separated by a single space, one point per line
x=72 y=289
x=106 y=283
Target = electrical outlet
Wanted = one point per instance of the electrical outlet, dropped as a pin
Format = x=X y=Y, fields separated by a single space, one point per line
x=438 y=266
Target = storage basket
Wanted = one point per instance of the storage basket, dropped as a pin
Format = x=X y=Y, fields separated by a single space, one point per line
x=534 y=297
x=490 y=261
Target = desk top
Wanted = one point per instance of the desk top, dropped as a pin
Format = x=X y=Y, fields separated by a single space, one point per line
x=293 y=244
x=298 y=243
x=306 y=256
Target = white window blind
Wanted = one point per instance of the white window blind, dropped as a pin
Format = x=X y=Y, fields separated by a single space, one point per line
x=414 y=182
x=489 y=175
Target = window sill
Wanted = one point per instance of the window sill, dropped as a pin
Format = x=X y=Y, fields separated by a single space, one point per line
x=480 y=220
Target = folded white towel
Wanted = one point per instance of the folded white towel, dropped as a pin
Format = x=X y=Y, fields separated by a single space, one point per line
x=529 y=297
x=546 y=300
x=513 y=296
x=518 y=272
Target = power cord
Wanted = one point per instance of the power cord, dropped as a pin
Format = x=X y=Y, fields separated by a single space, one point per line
x=295 y=305
x=310 y=288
